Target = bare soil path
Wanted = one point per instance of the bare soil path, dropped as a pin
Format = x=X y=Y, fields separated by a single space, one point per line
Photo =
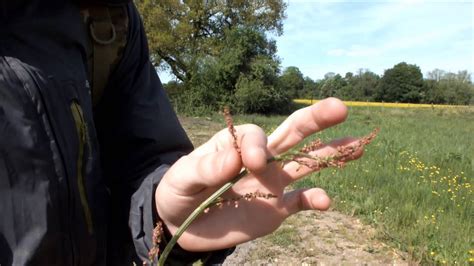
x=308 y=238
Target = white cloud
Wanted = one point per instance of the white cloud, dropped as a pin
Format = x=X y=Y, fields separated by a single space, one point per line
x=345 y=36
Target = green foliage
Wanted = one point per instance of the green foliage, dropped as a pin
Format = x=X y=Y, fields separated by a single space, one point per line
x=292 y=82
x=360 y=87
x=310 y=89
x=257 y=92
x=240 y=48
x=213 y=48
x=332 y=85
x=402 y=83
x=182 y=33
x=199 y=99
x=173 y=88
x=244 y=76
x=450 y=88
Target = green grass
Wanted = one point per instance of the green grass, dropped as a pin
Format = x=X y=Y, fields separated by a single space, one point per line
x=414 y=183
x=284 y=237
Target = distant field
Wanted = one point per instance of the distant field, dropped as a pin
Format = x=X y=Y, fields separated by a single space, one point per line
x=414 y=183
x=382 y=104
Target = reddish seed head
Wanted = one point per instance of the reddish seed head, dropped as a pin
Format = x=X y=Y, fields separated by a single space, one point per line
x=156 y=238
x=312 y=146
x=230 y=125
x=344 y=153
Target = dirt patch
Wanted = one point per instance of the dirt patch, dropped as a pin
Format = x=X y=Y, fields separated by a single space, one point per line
x=200 y=129
x=307 y=238
x=319 y=238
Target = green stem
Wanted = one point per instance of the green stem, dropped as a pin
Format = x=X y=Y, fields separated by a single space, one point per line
x=200 y=209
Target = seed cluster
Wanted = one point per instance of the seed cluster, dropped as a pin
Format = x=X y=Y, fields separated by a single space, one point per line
x=155 y=250
x=344 y=153
x=230 y=125
x=235 y=201
x=312 y=146
x=302 y=157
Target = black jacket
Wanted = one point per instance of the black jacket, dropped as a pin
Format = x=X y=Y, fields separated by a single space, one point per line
x=62 y=202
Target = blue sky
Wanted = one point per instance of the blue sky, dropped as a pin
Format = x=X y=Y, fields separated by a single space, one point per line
x=344 y=36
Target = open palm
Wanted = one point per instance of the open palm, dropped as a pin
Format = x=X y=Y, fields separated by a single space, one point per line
x=196 y=176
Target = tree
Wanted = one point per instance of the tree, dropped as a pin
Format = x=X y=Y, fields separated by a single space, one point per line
x=292 y=81
x=448 y=87
x=218 y=79
x=348 y=76
x=257 y=91
x=463 y=76
x=183 y=33
x=310 y=89
x=329 y=75
x=240 y=47
x=364 y=85
x=402 y=83
x=436 y=74
x=332 y=85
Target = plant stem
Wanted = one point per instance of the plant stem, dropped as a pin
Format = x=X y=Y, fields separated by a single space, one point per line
x=200 y=209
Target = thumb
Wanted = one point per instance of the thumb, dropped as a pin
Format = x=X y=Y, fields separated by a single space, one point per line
x=305 y=199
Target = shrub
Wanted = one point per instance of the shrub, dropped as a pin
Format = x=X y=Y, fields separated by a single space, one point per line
x=253 y=96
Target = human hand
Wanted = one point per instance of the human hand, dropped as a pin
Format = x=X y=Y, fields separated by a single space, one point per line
x=194 y=177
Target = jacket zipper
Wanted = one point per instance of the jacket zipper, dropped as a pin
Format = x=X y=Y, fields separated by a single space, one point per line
x=25 y=74
x=83 y=135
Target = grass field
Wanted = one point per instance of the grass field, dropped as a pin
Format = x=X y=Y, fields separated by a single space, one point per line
x=414 y=183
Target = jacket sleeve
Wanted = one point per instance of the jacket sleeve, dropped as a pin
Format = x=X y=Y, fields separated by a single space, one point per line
x=140 y=137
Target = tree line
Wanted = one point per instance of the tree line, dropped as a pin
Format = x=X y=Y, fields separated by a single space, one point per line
x=402 y=83
x=220 y=53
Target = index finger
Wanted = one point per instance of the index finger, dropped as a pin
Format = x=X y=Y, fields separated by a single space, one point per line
x=306 y=121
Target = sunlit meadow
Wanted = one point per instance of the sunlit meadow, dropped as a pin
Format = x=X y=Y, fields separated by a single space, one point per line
x=414 y=183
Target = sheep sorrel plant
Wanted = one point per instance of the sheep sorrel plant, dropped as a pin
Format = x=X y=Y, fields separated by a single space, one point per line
x=303 y=157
